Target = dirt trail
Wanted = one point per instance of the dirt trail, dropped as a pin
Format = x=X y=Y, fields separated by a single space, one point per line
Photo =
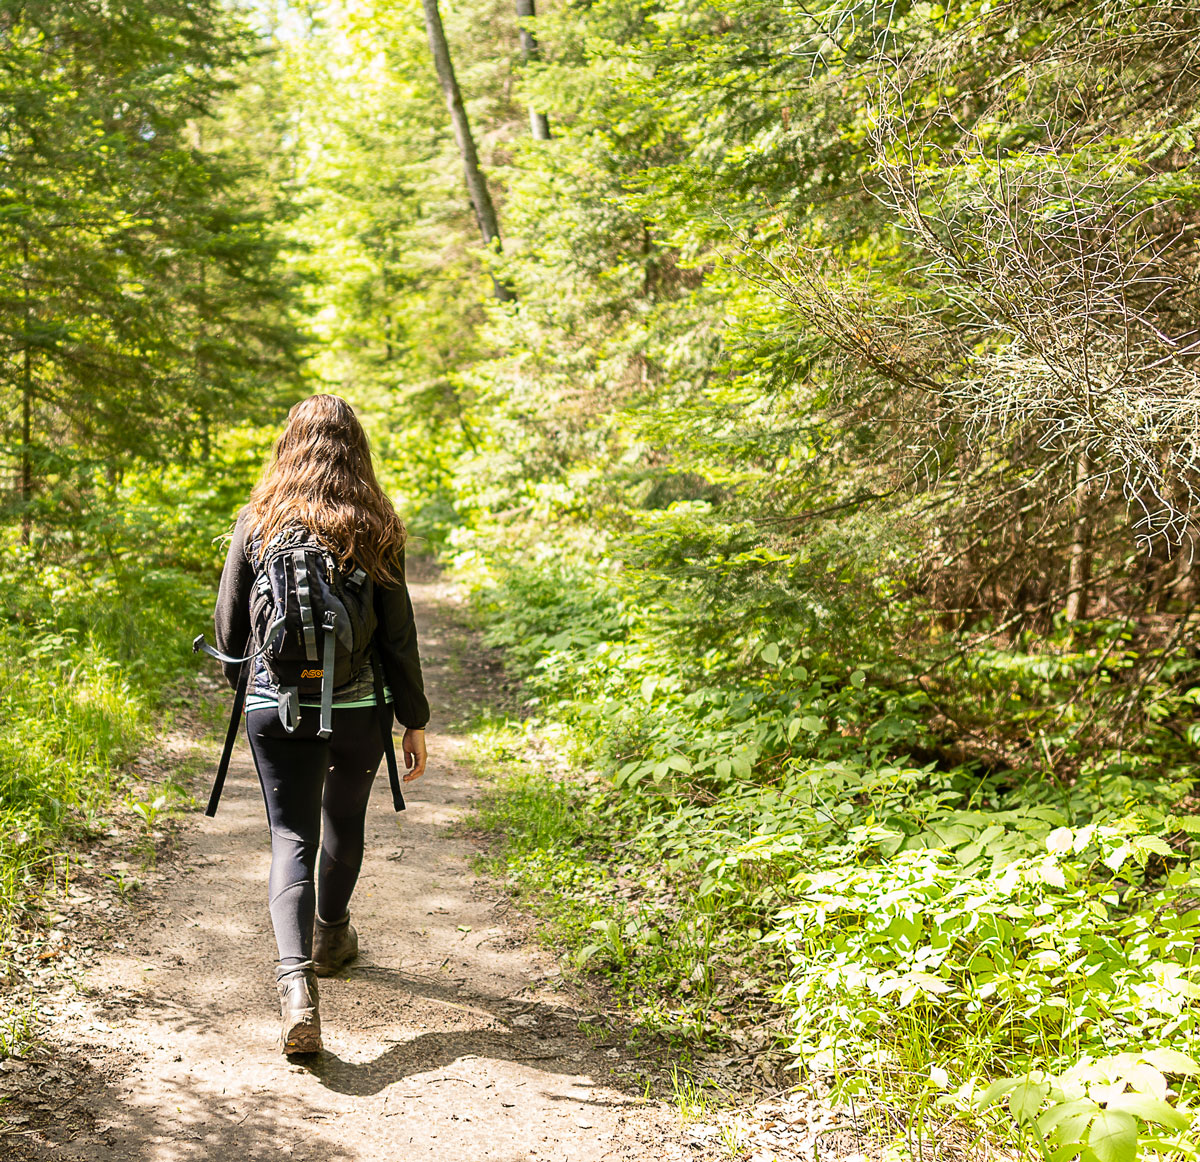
x=447 y=1039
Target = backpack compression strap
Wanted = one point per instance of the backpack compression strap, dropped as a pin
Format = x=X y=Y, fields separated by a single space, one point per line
x=385 y=727
x=239 y=700
x=304 y=596
x=199 y=644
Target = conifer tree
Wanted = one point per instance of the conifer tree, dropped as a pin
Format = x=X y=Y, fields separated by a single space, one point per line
x=140 y=296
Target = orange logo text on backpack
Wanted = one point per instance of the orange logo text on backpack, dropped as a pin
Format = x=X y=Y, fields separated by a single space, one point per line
x=312 y=673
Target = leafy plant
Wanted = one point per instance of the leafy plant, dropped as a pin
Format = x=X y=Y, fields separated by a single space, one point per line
x=1106 y=1110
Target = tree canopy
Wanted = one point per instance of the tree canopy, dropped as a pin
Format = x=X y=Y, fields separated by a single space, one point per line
x=141 y=297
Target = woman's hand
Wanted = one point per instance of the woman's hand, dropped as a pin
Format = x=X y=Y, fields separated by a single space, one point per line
x=414 y=753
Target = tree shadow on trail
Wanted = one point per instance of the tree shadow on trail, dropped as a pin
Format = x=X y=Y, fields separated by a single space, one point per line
x=546 y=1037
x=150 y=1118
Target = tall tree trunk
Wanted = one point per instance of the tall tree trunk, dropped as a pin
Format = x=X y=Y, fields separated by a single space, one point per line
x=481 y=199
x=539 y=123
x=1080 y=572
x=26 y=478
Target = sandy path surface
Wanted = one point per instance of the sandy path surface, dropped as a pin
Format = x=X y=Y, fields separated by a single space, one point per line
x=449 y=1038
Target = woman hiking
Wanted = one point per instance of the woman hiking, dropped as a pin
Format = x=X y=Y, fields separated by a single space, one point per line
x=319 y=524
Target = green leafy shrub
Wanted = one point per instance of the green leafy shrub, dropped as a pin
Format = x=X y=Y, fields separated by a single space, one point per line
x=1104 y=1110
x=99 y=611
x=806 y=836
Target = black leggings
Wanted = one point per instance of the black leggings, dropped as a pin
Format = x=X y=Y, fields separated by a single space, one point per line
x=316 y=791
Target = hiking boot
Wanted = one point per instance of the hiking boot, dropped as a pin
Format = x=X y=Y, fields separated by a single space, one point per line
x=298 y=1001
x=334 y=945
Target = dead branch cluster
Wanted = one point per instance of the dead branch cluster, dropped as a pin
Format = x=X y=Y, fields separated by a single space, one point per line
x=1035 y=354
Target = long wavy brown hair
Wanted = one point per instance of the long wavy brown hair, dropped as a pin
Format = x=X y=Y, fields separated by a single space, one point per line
x=321 y=478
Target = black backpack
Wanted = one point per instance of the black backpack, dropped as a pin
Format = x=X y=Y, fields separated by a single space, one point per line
x=314 y=625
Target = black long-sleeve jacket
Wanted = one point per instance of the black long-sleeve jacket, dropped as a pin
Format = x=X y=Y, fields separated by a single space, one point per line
x=395 y=637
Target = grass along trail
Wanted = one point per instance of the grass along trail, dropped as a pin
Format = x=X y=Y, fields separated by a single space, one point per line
x=451 y=1036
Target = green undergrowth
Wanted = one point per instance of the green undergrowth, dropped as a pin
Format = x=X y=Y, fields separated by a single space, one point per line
x=98 y=613
x=766 y=838
x=616 y=911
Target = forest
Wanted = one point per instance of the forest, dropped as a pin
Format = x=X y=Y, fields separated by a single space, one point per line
x=806 y=396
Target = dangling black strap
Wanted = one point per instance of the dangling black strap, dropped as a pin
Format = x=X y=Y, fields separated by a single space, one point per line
x=235 y=718
x=385 y=728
